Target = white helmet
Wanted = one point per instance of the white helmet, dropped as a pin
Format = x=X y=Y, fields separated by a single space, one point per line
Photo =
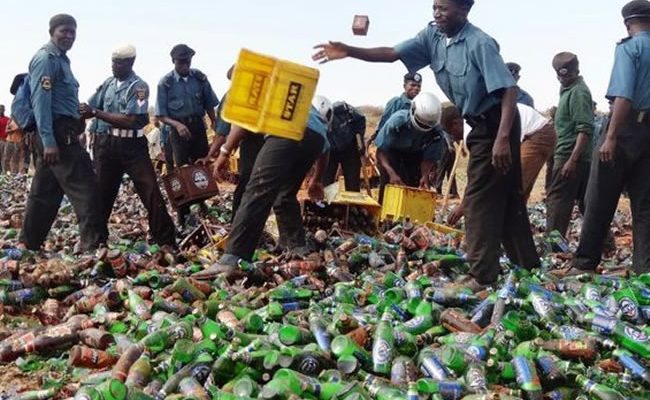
x=425 y=111
x=324 y=107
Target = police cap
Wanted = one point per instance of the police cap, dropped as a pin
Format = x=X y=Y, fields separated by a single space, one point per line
x=565 y=62
x=636 y=9
x=123 y=52
x=513 y=66
x=182 y=52
x=413 y=77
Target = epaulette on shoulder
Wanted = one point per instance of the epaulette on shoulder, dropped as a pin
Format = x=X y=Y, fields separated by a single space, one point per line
x=199 y=75
x=625 y=39
x=167 y=80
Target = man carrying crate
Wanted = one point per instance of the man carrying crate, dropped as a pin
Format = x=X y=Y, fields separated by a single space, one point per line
x=184 y=97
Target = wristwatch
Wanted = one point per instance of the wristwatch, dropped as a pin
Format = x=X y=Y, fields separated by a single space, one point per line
x=224 y=150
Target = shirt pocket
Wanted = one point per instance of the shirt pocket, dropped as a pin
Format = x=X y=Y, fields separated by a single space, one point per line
x=176 y=104
x=456 y=61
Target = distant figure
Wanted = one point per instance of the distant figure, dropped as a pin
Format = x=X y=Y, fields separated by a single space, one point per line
x=574 y=125
x=345 y=134
x=62 y=166
x=4 y=121
x=12 y=159
x=412 y=87
x=184 y=97
x=522 y=96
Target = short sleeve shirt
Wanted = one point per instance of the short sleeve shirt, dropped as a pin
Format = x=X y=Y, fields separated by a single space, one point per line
x=630 y=78
x=468 y=67
x=398 y=134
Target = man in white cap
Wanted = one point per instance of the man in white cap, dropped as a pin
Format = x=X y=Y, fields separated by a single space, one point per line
x=121 y=106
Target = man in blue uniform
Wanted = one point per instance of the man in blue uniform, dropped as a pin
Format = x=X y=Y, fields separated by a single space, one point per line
x=184 y=97
x=623 y=156
x=410 y=144
x=470 y=71
x=412 y=87
x=278 y=173
x=345 y=135
x=522 y=96
x=121 y=108
x=63 y=167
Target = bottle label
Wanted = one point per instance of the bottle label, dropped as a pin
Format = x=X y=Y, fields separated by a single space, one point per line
x=542 y=306
x=450 y=390
x=629 y=309
x=476 y=379
x=635 y=334
x=592 y=294
x=201 y=372
x=631 y=364
x=381 y=352
x=309 y=365
x=414 y=322
x=432 y=368
x=571 y=332
x=478 y=353
x=603 y=325
x=525 y=374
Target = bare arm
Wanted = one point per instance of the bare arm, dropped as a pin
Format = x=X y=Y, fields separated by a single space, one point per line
x=212 y=116
x=169 y=121
x=336 y=50
x=383 y=161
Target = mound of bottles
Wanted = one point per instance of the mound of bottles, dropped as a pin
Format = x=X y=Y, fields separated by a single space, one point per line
x=361 y=317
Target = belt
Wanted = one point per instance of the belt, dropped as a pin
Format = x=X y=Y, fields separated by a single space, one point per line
x=127 y=133
x=191 y=119
x=474 y=120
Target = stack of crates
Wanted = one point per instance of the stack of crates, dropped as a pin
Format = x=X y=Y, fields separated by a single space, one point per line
x=270 y=96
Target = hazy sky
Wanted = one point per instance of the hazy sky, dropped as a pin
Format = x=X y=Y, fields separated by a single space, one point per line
x=529 y=32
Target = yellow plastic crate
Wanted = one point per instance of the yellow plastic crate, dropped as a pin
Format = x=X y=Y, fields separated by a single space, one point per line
x=270 y=96
x=401 y=201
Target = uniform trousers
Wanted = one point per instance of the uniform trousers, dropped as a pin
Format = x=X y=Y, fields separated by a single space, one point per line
x=73 y=176
x=278 y=172
x=495 y=210
x=115 y=156
x=563 y=195
x=350 y=161
x=630 y=170
x=249 y=148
